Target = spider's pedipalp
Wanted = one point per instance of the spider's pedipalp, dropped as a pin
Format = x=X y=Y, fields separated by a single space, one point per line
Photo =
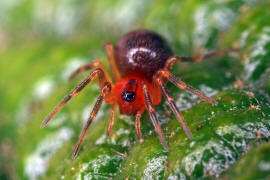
x=152 y=114
x=138 y=125
x=111 y=121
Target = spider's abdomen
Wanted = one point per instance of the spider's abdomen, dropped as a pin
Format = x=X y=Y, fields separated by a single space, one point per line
x=141 y=53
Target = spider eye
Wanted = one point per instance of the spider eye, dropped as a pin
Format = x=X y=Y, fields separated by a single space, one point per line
x=128 y=96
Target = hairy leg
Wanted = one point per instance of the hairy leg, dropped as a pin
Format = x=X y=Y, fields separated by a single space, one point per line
x=173 y=59
x=182 y=85
x=102 y=81
x=138 y=125
x=95 y=64
x=111 y=121
x=151 y=111
x=110 y=55
x=88 y=123
x=173 y=107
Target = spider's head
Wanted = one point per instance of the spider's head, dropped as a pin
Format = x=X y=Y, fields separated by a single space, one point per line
x=129 y=95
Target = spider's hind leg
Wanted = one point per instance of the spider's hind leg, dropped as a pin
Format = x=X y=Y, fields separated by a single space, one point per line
x=94 y=64
x=110 y=54
x=173 y=59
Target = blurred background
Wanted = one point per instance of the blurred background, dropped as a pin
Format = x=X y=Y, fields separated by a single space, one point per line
x=42 y=42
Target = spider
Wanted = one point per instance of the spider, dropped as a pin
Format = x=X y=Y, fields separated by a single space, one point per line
x=140 y=63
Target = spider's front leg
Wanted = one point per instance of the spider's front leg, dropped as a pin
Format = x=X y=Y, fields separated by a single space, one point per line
x=106 y=90
x=105 y=93
x=102 y=81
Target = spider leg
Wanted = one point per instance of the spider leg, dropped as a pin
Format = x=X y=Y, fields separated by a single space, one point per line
x=182 y=85
x=110 y=55
x=102 y=81
x=173 y=107
x=138 y=125
x=111 y=121
x=173 y=59
x=88 y=123
x=151 y=111
x=95 y=64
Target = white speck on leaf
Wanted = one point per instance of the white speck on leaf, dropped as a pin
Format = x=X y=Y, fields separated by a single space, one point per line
x=206 y=18
x=155 y=168
x=213 y=165
x=186 y=100
x=88 y=109
x=72 y=65
x=243 y=38
x=95 y=167
x=208 y=91
x=43 y=88
x=58 y=120
x=36 y=163
x=264 y=166
x=258 y=50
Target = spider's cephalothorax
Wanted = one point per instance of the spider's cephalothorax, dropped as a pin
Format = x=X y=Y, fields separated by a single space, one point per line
x=140 y=63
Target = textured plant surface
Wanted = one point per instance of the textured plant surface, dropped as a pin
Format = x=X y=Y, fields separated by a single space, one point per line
x=42 y=42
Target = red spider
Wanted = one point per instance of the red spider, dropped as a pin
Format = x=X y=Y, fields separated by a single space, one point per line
x=140 y=63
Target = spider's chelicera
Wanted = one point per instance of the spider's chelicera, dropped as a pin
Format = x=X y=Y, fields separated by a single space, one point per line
x=140 y=63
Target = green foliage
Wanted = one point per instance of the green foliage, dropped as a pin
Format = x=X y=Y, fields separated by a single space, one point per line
x=255 y=164
x=43 y=41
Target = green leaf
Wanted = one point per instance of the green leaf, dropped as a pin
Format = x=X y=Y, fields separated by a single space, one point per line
x=255 y=164
x=46 y=41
